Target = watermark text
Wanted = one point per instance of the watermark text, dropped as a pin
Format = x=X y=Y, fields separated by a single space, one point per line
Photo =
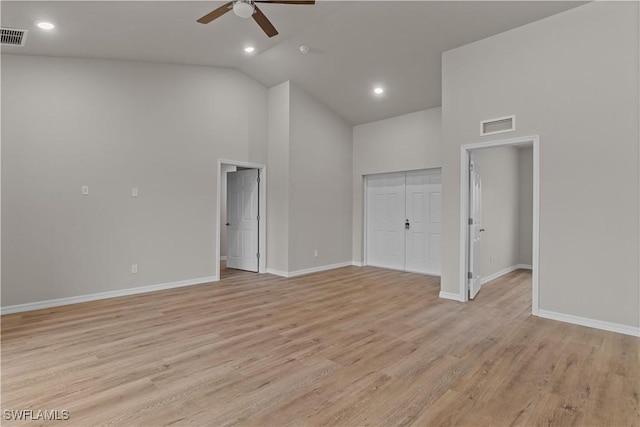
x=36 y=414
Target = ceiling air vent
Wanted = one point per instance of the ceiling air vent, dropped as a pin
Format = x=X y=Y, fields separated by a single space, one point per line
x=12 y=36
x=499 y=125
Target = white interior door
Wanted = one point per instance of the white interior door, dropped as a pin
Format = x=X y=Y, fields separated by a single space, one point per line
x=385 y=220
x=475 y=226
x=242 y=219
x=423 y=221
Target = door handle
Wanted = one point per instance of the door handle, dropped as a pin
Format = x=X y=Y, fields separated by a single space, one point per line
x=482 y=229
x=406 y=224
x=227 y=224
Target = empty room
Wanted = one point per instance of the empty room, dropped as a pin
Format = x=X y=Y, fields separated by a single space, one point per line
x=320 y=213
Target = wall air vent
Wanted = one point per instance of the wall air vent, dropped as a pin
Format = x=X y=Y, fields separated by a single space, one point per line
x=12 y=36
x=499 y=125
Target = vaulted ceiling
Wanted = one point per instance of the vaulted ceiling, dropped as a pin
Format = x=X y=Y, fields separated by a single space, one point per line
x=353 y=45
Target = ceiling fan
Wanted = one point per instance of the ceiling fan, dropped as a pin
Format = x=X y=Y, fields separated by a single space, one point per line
x=248 y=8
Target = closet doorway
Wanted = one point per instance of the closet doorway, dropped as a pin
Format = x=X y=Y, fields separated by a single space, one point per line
x=403 y=223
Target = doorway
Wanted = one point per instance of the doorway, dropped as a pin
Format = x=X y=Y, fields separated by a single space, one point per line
x=471 y=221
x=403 y=221
x=243 y=186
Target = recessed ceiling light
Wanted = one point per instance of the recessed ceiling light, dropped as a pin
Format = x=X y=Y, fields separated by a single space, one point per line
x=378 y=91
x=249 y=49
x=46 y=25
x=304 y=49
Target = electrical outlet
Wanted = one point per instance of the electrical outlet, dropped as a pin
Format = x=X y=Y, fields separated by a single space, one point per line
x=134 y=192
x=85 y=190
x=134 y=268
x=315 y=253
x=490 y=260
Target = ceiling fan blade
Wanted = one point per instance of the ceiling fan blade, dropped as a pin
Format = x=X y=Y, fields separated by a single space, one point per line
x=216 y=13
x=286 y=1
x=264 y=23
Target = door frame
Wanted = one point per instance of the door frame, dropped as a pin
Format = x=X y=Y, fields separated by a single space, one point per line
x=365 y=216
x=465 y=150
x=262 y=211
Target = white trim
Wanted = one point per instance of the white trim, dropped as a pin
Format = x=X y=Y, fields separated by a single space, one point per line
x=426 y=273
x=535 y=251
x=504 y=271
x=104 y=295
x=483 y=122
x=262 y=211
x=318 y=269
x=223 y=258
x=365 y=222
x=498 y=274
x=357 y=263
x=464 y=211
x=451 y=296
x=464 y=222
x=277 y=272
x=309 y=270
x=638 y=185
x=404 y=270
x=591 y=323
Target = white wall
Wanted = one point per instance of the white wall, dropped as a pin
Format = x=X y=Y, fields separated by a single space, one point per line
x=408 y=142
x=573 y=79
x=525 y=205
x=278 y=179
x=321 y=197
x=114 y=125
x=310 y=162
x=499 y=246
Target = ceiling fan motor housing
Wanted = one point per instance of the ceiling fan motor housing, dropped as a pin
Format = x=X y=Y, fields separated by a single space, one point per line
x=243 y=8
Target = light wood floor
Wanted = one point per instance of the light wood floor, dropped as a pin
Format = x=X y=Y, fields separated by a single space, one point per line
x=353 y=346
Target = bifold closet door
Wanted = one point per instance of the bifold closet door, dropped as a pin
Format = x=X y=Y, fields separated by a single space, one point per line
x=385 y=220
x=404 y=221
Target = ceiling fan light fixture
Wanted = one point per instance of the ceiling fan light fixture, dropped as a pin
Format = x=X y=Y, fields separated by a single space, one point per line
x=243 y=8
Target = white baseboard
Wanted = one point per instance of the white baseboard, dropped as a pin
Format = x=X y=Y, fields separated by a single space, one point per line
x=426 y=273
x=309 y=270
x=104 y=295
x=386 y=267
x=318 y=269
x=452 y=296
x=357 y=263
x=277 y=272
x=591 y=323
x=406 y=270
x=223 y=258
x=501 y=273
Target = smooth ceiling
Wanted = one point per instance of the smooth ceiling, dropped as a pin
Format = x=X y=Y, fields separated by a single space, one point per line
x=353 y=45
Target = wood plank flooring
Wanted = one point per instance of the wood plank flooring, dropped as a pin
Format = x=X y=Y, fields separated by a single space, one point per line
x=347 y=347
